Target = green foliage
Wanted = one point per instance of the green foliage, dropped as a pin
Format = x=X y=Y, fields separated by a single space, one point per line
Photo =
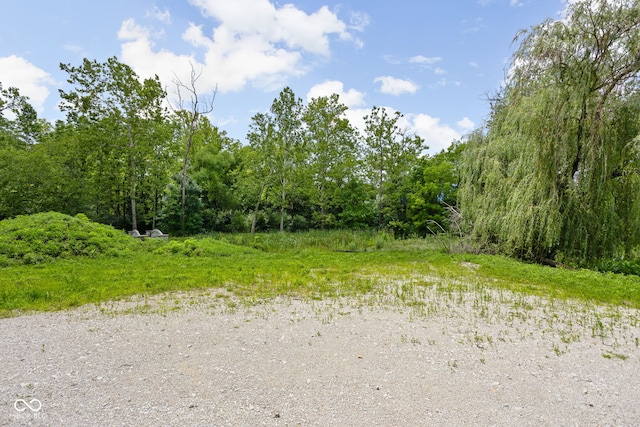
x=25 y=128
x=435 y=183
x=215 y=167
x=115 y=155
x=199 y=247
x=336 y=240
x=620 y=266
x=332 y=147
x=44 y=237
x=389 y=157
x=556 y=174
x=29 y=182
x=123 y=119
x=290 y=150
x=171 y=215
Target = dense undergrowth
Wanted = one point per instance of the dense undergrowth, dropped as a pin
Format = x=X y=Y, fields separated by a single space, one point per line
x=53 y=261
x=43 y=237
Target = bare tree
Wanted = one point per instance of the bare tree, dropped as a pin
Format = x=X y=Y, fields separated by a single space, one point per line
x=190 y=107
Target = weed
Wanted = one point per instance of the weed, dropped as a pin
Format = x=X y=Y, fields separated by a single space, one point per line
x=557 y=350
x=610 y=355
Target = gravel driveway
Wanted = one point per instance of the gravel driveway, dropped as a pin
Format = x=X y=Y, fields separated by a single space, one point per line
x=439 y=359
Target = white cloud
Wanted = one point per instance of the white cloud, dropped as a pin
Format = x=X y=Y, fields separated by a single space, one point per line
x=516 y=3
x=286 y=24
x=424 y=60
x=443 y=82
x=163 y=16
x=437 y=136
x=230 y=120
x=359 y=21
x=439 y=71
x=393 y=86
x=350 y=98
x=255 y=43
x=466 y=124
x=32 y=81
x=137 y=51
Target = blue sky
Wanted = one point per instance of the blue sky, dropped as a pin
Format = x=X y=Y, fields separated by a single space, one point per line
x=434 y=61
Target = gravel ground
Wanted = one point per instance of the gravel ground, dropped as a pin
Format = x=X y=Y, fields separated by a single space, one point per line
x=436 y=359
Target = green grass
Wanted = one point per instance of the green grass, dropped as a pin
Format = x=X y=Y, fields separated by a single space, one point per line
x=48 y=236
x=310 y=272
x=309 y=265
x=586 y=285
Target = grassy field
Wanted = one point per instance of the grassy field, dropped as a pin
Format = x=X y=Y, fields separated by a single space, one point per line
x=311 y=265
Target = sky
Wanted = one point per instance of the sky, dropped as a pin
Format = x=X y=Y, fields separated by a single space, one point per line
x=435 y=61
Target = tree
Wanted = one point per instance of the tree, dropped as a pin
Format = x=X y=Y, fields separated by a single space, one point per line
x=171 y=215
x=556 y=174
x=215 y=169
x=260 y=160
x=331 y=144
x=389 y=155
x=190 y=117
x=19 y=122
x=124 y=120
x=30 y=182
x=434 y=186
x=288 y=145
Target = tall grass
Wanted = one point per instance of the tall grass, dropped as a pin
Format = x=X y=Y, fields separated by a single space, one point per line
x=308 y=265
x=336 y=240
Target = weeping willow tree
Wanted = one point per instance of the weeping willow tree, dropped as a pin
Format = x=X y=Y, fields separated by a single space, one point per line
x=555 y=175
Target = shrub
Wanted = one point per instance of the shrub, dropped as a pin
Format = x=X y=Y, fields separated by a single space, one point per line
x=200 y=247
x=620 y=266
x=33 y=239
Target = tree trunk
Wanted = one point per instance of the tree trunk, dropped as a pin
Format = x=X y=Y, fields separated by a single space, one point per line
x=282 y=202
x=132 y=164
x=380 y=195
x=184 y=186
x=134 y=219
x=155 y=209
x=255 y=212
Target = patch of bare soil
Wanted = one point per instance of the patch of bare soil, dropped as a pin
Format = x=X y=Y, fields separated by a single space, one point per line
x=437 y=359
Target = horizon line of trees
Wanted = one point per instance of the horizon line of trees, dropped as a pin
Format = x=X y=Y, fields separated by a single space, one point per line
x=554 y=175
x=123 y=157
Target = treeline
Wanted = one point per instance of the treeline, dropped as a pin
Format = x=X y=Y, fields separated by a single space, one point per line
x=123 y=157
x=554 y=176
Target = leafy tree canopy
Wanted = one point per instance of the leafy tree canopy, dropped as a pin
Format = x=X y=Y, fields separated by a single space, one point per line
x=555 y=175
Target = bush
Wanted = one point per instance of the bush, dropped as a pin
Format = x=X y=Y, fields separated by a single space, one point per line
x=620 y=266
x=171 y=218
x=199 y=247
x=42 y=237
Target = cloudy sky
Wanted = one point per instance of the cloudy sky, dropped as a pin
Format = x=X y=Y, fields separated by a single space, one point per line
x=435 y=61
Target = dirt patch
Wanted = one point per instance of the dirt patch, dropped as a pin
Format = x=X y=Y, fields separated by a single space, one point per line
x=439 y=358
